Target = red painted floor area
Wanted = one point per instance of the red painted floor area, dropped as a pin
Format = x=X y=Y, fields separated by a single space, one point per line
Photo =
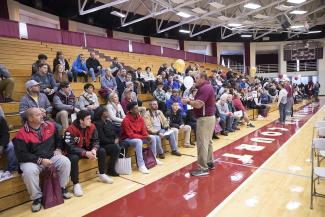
x=178 y=194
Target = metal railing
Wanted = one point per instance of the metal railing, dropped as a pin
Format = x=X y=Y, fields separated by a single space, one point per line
x=267 y=68
x=303 y=66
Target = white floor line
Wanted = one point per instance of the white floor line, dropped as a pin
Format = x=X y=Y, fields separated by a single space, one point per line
x=225 y=201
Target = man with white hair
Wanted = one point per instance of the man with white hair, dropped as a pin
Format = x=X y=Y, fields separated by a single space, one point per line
x=225 y=114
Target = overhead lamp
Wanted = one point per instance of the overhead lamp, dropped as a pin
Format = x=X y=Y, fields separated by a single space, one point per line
x=297 y=26
x=118 y=14
x=314 y=32
x=298 y=12
x=234 y=24
x=252 y=6
x=246 y=36
x=185 y=31
x=296 y=1
x=183 y=14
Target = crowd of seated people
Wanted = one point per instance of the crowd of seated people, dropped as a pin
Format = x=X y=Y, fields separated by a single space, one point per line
x=78 y=127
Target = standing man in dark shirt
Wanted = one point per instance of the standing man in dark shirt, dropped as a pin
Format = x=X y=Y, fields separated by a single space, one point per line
x=204 y=110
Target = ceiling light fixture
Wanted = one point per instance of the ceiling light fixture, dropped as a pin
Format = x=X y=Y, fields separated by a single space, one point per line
x=296 y=26
x=252 y=6
x=314 y=32
x=183 y=14
x=118 y=14
x=296 y=1
x=298 y=12
x=246 y=36
x=234 y=24
x=184 y=31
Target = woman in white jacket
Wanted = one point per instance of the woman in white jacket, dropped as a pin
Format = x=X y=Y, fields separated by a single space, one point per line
x=115 y=110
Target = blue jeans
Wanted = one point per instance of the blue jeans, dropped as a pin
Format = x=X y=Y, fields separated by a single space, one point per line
x=11 y=158
x=172 y=142
x=137 y=144
x=93 y=74
x=282 y=110
x=228 y=120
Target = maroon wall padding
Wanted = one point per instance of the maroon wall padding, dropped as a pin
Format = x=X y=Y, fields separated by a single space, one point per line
x=109 y=33
x=45 y=34
x=148 y=49
x=147 y=40
x=9 y=28
x=247 y=54
x=211 y=59
x=181 y=44
x=194 y=57
x=173 y=53
x=4 y=13
x=73 y=38
x=94 y=41
x=64 y=23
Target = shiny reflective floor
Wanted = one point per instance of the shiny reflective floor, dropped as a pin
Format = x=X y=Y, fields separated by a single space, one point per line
x=179 y=194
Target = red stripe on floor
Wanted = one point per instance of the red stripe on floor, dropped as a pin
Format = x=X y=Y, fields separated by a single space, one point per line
x=177 y=194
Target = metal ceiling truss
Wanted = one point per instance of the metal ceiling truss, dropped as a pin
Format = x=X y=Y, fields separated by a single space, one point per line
x=275 y=28
x=166 y=7
x=235 y=19
x=190 y=20
x=82 y=10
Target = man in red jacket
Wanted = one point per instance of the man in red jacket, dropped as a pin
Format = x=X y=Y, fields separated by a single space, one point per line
x=38 y=145
x=81 y=140
x=134 y=133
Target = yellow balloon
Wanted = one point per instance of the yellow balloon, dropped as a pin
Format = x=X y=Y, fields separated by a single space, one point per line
x=179 y=65
x=252 y=71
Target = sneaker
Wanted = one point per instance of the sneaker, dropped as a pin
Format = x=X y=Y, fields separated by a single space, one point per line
x=200 y=172
x=224 y=133
x=215 y=136
x=6 y=175
x=113 y=173
x=77 y=190
x=143 y=169
x=250 y=125
x=37 y=205
x=159 y=162
x=188 y=146
x=176 y=152
x=231 y=130
x=66 y=194
x=161 y=156
x=1 y=173
x=211 y=166
x=105 y=178
x=236 y=128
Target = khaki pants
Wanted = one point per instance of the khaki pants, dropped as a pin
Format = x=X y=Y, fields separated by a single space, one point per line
x=63 y=118
x=187 y=131
x=204 y=133
x=7 y=87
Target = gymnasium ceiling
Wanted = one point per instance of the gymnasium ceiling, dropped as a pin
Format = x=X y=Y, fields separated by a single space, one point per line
x=207 y=20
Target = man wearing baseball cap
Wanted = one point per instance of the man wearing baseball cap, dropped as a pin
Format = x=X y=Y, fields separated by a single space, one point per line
x=34 y=99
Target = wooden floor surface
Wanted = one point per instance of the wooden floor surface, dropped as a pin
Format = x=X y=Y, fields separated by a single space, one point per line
x=281 y=187
x=282 y=182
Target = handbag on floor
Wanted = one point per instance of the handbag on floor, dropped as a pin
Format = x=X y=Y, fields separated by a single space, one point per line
x=123 y=164
x=52 y=193
x=149 y=158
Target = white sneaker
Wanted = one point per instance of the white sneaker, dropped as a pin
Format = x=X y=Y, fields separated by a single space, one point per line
x=1 y=173
x=77 y=190
x=6 y=175
x=105 y=178
x=143 y=169
x=159 y=162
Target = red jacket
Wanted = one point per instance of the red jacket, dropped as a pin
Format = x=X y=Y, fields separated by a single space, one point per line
x=133 y=128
